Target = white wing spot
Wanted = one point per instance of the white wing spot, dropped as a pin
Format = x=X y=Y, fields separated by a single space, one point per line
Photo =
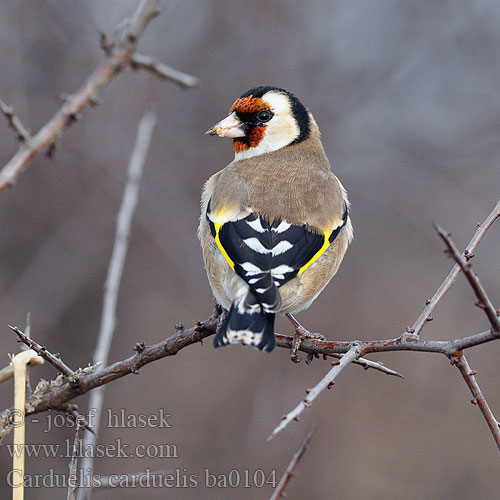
x=256 y=245
x=256 y=225
x=251 y=269
x=281 y=247
x=283 y=269
x=282 y=227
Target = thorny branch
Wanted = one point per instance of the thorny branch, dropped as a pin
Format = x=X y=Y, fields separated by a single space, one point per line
x=42 y=351
x=470 y=379
x=431 y=304
x=60 y=396
x=326 y=382
x=118 y=58
x=484 y=301
x=452 y=349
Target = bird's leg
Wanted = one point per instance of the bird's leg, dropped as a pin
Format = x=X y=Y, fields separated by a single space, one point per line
x=301 y=333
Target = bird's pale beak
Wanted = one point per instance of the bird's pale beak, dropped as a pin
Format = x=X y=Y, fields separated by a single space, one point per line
x=231 y=127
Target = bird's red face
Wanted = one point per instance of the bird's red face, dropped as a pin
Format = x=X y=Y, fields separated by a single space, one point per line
x=246 y=123
x=250 y=106
x=262 y=120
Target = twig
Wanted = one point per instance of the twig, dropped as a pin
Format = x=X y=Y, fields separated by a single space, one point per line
x=450 y=279
x=115 y=270
x=22 y=133
x=326 y=382
x=483 y=300
x=72 y=478
x=375 y=365
x=470 y=379
x=140 y=61
x=54 y=360
x=117 y=60
x=27 y=332
x=279 y=491
x=58 y=398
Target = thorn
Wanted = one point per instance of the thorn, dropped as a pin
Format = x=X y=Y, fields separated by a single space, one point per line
x=283 y=417
x=309 y=358
x=325 y=357
x=427 y=302
x=296 y=419
x=430 y=318
x=308 y=391
x=473 y=372
x=473 y=401
x=95 y=102
x=478 y=224
x=51 y=150
x=139 y=347
x=72 y=117
x=330 y=385
x=335 y=363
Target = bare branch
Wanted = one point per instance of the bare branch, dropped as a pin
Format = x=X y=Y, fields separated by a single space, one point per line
x=473 y=279
x=58 y=398
x=118 y=59
x=368 y=363
x=115 y=270
x=22 y=133
x=326 y=382
x=53 y=359
x=470 y=379
x=140 y=61
x=450 y=279
x=279 y=491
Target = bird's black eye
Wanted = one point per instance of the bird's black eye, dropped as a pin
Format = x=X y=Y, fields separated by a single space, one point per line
x=264 y=115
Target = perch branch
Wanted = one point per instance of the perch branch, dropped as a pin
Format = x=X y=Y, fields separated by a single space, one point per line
x=279 y=491
x=116 y=61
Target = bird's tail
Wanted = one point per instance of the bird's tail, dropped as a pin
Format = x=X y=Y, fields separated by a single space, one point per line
x=247 y=323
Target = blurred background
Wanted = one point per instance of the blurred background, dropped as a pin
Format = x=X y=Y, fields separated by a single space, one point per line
x=406 y=95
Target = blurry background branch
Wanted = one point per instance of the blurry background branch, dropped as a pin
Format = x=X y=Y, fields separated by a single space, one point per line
x=113 y=279
x=118 y=57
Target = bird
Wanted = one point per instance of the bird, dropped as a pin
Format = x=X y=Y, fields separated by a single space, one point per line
x=274 y=223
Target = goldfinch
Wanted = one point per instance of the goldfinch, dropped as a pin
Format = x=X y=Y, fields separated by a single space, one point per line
x=274 y=223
